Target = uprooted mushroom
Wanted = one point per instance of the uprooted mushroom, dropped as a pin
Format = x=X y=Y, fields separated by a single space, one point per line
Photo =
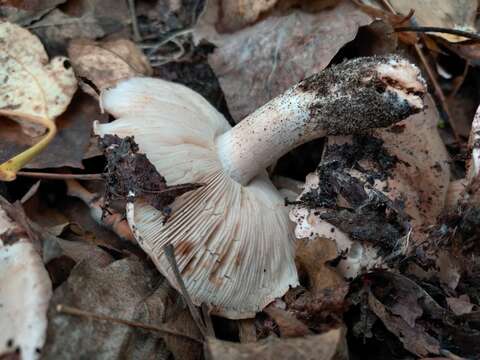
x=233 y=238
x=377 y=193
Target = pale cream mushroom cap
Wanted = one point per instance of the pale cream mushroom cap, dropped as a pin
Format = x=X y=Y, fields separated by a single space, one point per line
x=25 y=292
x=233 y=243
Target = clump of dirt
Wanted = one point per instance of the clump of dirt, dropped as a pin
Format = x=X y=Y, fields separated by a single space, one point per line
x=370 y=215
x=130 y=175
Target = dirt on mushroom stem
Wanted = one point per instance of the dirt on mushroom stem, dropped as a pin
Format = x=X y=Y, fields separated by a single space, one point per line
x=370 y=216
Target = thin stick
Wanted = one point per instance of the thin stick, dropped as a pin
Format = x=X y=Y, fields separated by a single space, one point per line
x=170 y=254
x=207 y=319
x=52 y=176
x=434 y=29
x=65 y=309
x=133 y=14
x=436 y=86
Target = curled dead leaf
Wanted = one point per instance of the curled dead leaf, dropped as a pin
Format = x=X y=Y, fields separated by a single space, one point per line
x=32 y=88
x=33 y=91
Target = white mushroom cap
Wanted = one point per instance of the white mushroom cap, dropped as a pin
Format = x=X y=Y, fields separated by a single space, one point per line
x=25 y=291
x=233 y=243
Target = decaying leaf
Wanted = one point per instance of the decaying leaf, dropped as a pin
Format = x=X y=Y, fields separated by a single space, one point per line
x=25 y=12
x=125 y=289
x=261 y=61
x=312 y=257
x=82 y=19
x=70 y=145
x=328 y=346
x=236 y=14
x=25 y=291
x=31 y=88
x=104 y=64
x=449 y=14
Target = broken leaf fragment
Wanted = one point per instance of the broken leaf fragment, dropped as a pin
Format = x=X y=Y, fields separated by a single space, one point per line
x=105 y=63
x=33 y=91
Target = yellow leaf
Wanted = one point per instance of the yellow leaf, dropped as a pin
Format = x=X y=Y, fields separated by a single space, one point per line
x=33 y=91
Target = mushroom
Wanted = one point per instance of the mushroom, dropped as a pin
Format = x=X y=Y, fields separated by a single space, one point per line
x=232 y=237
x=396 y=178
x=25 y=291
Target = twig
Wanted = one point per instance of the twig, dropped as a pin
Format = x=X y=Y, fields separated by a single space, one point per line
x=170 y=254
x=52 y=176
x=207 y=318
x=133 y=14
x=106 y=217
x=459 y=83
x=434 y=29
x=436 y=86
x=64 y=309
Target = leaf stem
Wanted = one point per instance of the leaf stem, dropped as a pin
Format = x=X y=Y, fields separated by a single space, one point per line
x=8 y=170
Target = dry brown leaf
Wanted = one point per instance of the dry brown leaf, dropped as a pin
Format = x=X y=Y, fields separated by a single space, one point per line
x=259 y=62
x=415 y=339
x=461 y=305
x=125 y=289
x=32 y=89
x=82 y=19
x=236 y=14
x=288 y=325
x=311 y=257
x=24 y=12
x=328 y=346
x=71 y=144
x=104 y=64
x=450 y=14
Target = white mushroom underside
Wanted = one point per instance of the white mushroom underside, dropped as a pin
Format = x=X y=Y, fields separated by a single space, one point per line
x=233 y=243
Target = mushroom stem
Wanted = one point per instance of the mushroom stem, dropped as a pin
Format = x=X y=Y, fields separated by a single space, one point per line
x=354 y=96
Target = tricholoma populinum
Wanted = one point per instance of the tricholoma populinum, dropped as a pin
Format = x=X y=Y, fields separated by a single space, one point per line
x=233 y=239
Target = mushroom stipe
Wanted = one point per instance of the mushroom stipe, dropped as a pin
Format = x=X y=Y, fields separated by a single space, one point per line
x=233 y=239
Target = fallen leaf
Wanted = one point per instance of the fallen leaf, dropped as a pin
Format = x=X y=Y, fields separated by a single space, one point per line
x=415 y=339
x=450 y=14
x=82 y=19
x=24 y=13
x=328 y=346
x=312 y=257
x=32 y=89
x=460 y=305
x=71 y=142
x=104 y=64
x=236 y=14
x=257 y=63
x=287 y=324
x=25 y=290
x=125 y=289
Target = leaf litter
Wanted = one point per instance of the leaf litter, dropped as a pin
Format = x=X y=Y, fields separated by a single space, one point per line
x=415 y=181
